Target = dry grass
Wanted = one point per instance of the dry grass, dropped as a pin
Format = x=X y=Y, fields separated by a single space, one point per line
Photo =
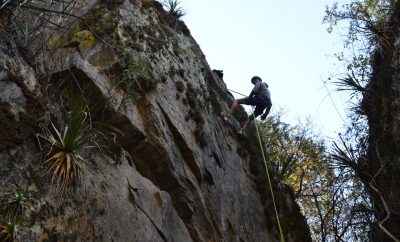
x=7 y=231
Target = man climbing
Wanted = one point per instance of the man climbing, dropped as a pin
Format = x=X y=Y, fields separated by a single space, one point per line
x=259 y=97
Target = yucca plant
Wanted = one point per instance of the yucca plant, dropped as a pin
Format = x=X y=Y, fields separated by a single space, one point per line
x=63 y=158
x=351 y=83
x=85 y=127
x=12 y=204
x=346 y=157
x=173 y=8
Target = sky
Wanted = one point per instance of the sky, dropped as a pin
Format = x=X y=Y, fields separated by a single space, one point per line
x=282 y=41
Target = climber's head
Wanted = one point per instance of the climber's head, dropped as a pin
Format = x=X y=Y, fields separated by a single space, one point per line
x=254 y=79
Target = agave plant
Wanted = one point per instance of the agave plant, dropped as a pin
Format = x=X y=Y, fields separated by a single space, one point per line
x=63 y=158
x=173 y=8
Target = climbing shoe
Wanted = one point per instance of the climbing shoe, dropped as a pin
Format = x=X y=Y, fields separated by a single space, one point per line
x=225 y=117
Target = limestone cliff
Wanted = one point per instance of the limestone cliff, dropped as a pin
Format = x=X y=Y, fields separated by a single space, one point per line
x=162 y=166
x=381 y=101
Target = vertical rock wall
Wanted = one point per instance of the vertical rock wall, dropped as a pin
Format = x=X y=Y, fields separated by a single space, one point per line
x=382 y=101
x=178 y=172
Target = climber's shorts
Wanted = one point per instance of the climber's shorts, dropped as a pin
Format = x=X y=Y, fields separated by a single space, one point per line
x=260 y=102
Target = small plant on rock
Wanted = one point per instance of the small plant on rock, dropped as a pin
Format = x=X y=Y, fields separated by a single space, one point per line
x=64 y=142
x=63 y=157
x=143 y=70
x=136 y=79
x=174 y=9
x=128 y=85
x=12 y=210
x=12 y=204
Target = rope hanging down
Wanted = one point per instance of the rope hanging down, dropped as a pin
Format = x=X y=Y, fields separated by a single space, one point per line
x=282 y=238
x=236 y=92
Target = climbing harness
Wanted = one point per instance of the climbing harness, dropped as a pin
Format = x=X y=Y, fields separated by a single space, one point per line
x=282 y=238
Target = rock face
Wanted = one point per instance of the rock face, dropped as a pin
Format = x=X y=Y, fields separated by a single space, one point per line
x=382 y=104
x=174 y=172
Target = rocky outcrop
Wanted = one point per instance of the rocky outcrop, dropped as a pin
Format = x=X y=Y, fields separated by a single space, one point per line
x=382 y=166
x=171 y=170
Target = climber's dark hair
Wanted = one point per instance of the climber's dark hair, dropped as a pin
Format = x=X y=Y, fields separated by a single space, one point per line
x=254 y=78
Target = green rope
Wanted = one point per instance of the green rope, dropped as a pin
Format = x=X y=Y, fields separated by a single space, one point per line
x=269 y=181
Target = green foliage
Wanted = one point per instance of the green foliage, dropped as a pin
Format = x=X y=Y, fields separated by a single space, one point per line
x=294 y=152
x=143 y=71
x=66 y=143
x=352 y=147
x=79 y=127
x=368 y=39
x=356 y=218
x=300 y=160
x=136 y=79
x=350 y=83
x=367 y=19
x=368 y=30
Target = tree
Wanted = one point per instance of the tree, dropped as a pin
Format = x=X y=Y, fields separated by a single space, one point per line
x=367 y=40
x=368 y=30
x=299 y=159
x=324 y=181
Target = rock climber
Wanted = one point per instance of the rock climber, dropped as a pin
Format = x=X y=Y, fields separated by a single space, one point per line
x=259 y=97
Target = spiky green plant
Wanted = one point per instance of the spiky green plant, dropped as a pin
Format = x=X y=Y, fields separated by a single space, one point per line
x=63 y=158
x=86 y=127
x=173 y=8
x=350 y=83
x=12 y=204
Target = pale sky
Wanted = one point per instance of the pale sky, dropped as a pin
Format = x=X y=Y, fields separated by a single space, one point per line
x=282 y=41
